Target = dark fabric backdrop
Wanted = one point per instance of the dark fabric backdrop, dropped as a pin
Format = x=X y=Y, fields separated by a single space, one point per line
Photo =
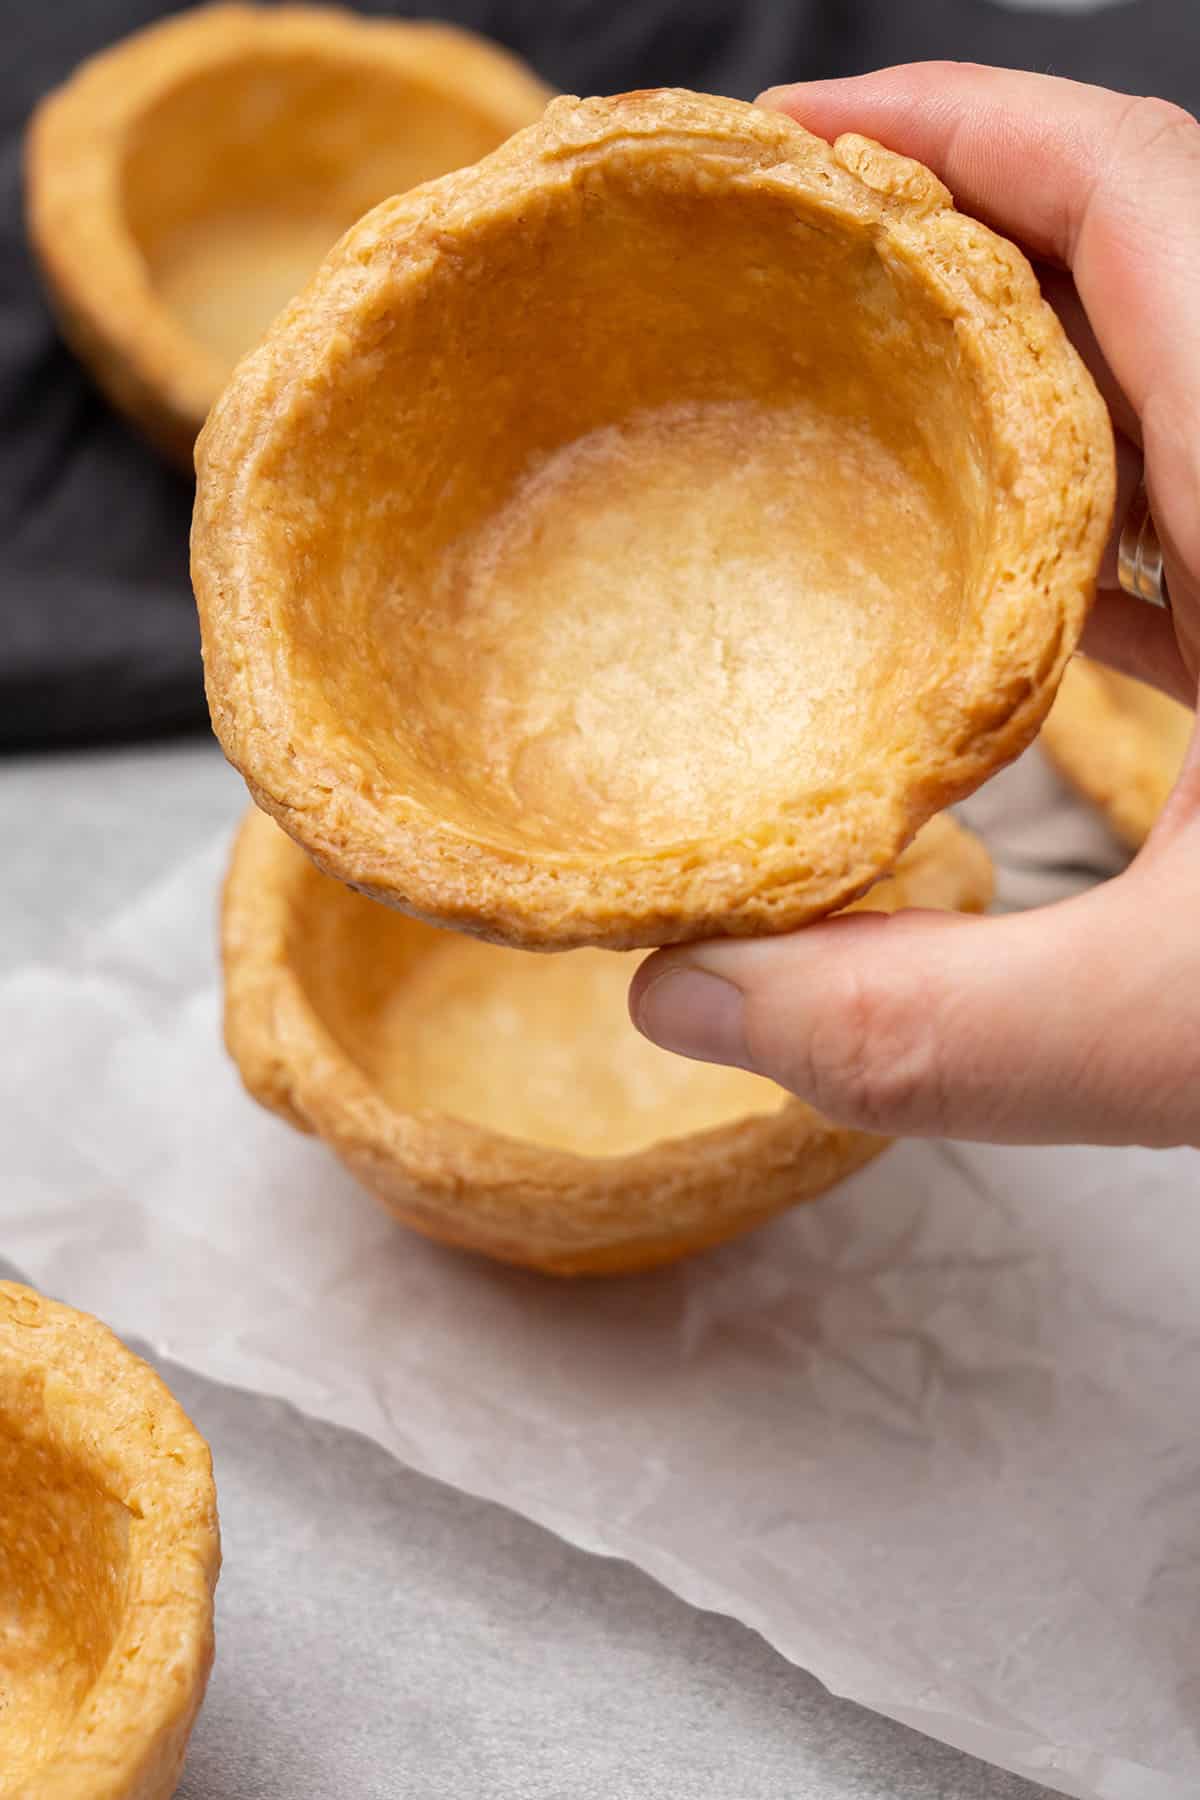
x=98 y=639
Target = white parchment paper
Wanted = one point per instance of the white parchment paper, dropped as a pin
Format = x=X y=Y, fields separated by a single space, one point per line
x=937 y=1436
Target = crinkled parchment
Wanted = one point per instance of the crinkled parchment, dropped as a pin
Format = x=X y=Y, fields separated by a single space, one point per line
x=936 y=1436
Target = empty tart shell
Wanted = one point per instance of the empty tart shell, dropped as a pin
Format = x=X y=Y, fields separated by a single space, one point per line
x=504 y=1102
x=109 y=1554
x=1120 y=743
x=637 y=535
x=183 y=185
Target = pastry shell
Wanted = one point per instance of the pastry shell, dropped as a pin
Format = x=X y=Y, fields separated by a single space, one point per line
x=184 y=184
x=1120 y=743
x=502 y=1101
x=109 y=1553
x=636 y=536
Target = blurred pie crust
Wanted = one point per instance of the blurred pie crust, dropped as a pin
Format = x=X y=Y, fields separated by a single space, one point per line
x=184 y=184
x=1120 y=743
x=109 y=1553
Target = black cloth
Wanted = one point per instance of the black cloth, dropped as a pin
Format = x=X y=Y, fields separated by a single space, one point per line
x=98 y=638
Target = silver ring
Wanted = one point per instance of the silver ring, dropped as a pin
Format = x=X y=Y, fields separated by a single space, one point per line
x=1139 y=554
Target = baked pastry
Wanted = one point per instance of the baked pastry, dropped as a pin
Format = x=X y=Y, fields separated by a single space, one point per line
x=504 y=1102
x=637 y=535
x=109 y=1554
x=184 y=184
x=1120 y=742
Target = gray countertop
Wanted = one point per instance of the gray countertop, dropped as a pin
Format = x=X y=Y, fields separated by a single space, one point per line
x=380 y=1634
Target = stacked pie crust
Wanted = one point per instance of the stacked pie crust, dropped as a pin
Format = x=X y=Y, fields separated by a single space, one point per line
x=1121 y=743
x=504 y=1102
x=638 y=535
x=642 y=532
x=184 y=184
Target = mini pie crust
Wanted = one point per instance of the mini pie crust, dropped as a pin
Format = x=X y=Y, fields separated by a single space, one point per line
x=1120 y=742
x=183 y=185
x=637 y=535
x=503 y=1102
x=109 y=1553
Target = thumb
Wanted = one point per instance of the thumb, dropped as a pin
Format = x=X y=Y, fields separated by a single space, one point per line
x=1073 y=1024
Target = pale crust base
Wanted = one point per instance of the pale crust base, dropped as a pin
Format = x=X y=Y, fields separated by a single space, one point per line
x=1121 y=743
x=503 y=1102
x=186 y=182
x=636 y=536
x=109 y=1553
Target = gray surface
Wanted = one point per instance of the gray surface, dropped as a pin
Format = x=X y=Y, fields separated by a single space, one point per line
x=381 y=1635
x=83 y=833
x=450 y=1648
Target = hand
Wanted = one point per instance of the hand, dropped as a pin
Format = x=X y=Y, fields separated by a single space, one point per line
x=1079 y=1022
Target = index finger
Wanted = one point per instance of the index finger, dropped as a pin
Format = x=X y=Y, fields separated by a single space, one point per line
x=1108 y=185
x=1104 y=183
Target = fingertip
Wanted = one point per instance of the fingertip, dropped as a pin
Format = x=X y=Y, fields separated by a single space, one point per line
x=775 y=99
x=826 y=107
x=646 y=972
x=690 y=1011
x=867 y=102
x=700 y=1000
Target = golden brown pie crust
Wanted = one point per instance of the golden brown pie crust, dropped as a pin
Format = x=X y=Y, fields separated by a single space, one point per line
x=504 y=1102
x=638 y=535
x=109 y=1553
x=183 y=185
x=1120 y=742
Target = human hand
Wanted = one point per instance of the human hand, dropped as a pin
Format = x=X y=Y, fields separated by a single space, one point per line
x=1079 y=1022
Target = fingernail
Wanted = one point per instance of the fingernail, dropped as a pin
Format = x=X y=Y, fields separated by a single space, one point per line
x=695 y=1014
